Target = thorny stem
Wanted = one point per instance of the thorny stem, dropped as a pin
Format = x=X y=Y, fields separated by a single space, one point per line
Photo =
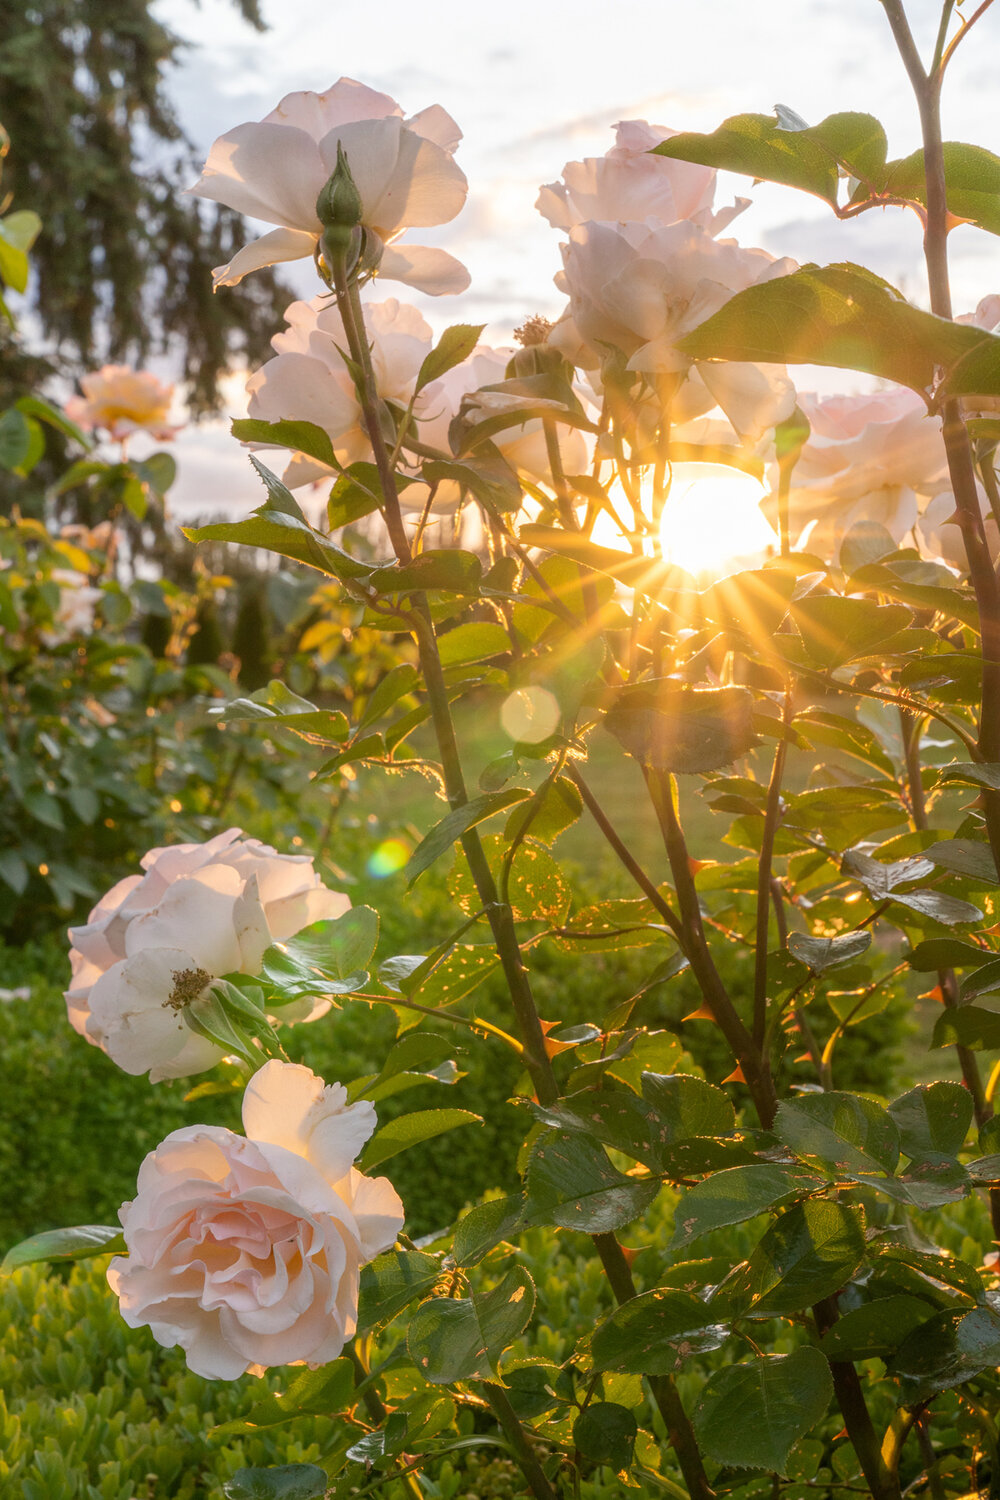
x=927 y=91
x=772 y=817
x=500 y=917
x=378 y=1411
x=882 y=1482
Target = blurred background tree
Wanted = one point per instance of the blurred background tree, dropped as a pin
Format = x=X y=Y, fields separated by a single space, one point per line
x=122 y=266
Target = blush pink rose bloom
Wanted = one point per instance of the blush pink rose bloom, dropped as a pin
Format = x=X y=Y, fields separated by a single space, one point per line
x=123 y=401
x=156 y=941
x=404 y=170
x=640 y=287
x=307 y=380
x=627 y=183
x=247 y=1250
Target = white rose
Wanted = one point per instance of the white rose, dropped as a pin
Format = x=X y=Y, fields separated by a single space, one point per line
x=247 y=1251
x=640 y=287
x=74 y=614
x=403 y=169
x=628 y=183
x=123 y=401
x=157 y=941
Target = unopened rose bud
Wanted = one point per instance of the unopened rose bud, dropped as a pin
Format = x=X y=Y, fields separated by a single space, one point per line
x=339 y=202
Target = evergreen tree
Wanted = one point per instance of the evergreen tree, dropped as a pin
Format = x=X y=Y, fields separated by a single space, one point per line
x=123 y=265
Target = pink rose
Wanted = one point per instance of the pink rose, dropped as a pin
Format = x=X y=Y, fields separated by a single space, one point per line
x=123 y=401
x=627 y=183
x=247 y=1250
x=156 y=942
x=404 y=171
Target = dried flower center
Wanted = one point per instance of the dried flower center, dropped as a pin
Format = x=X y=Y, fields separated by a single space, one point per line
x=534 y=330
x=188 y=985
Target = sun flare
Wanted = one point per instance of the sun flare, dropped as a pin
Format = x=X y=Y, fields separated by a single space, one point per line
x=712 y=520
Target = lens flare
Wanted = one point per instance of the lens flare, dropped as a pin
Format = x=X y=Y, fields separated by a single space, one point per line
x=530 y=715
x=712 y=521
x=388 y=857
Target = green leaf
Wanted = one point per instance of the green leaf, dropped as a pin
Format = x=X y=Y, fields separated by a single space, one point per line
x=758 y=146
x=319 y=1393
x=483 y=1227
x=391 y=1282
x=968 y=1026
x=54 y=416
x=283 y=1482
x=283 y=532
x=159 y=471
x=808 y=1253
x=410 y=1130
x=840 y=1130
x=945 y=1351
x=302 y=437
x=670 y=727
x=477 y=641
x=459 y=821
x=15 y=438
x=570 y=1182
x=819 y=953
x=972 y=773
x=13 y=871
x=750 y=1414
x=462 y=1338
x=488 y=476
x=968 y=857
x=18 y=232
x=605 y=1433
x=449 y=568
x=656 y=1333
x=735 y=1195
x=947 y=953
x=972 y=177
x=454 y=345
x=688 y=1106
x=836 y=630
x=932 y=1119
x=840 y=315
x=78 y=1243
x=875 y=1330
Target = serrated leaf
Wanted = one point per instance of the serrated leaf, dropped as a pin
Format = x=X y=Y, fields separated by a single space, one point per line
x=688 y=1106
x=605 y=1433
x=837 y=630
x=283 y=532
x=841 y=1130
x=840 y=315
x=282 y=1482
x=758 y=146
x=454 y=345
x=656 y=1333
x=77 y=1243
x=302 y=437
x=808 y=1253
x=462 y=1338
x=483 y=1227
x=875 y=1330
x=321 y=1392
x=932 y=1119
x=451 y=827
x=969 y=1026
x=669 y=727
x=947 y=953
x=819 y=953
x=411 y=1130
x=391 y=1282
x=750 y=1414
x=735 y=1195
x=967 y=857
x=570 y=1182
x=945 y=1351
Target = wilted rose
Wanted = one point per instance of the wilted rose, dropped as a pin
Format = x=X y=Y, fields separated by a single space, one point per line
x=156 y=942
x=247 y=1250
x=640 y=287
x=628 y=183
x=404 y=170
x=123 y=401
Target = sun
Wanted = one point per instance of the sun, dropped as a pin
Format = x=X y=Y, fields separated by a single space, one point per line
x=712 y=521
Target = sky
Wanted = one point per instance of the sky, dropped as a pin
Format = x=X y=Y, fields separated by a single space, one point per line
x=535 y=83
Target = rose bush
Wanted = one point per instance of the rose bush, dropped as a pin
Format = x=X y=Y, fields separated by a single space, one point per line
x=156 y=942
x=247 y=1250
x=404 y=170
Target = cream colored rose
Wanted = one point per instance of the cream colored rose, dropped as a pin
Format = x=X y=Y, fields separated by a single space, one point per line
x=74 y=614
x=123 y=401
x=628 y=183
x=404 y=170
x=640 y=287
x=156 y=942
x=247 y=1251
